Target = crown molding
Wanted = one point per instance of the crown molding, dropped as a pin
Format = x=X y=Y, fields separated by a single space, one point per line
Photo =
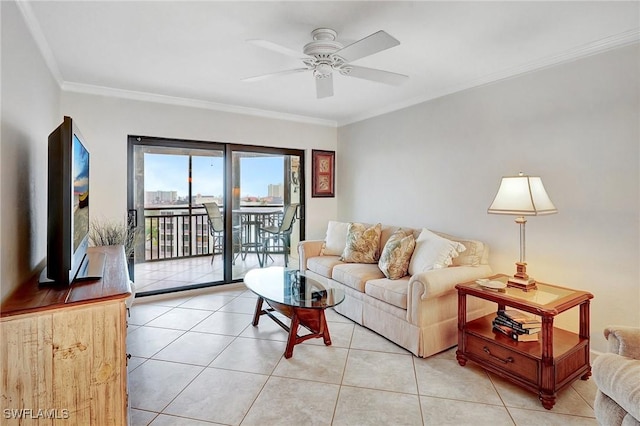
x=192 y=103
x=38 y=36
x=599 y=46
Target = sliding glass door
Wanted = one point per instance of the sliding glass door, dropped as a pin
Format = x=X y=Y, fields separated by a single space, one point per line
x=176 y=245
x=265 y=183
x=206 y=213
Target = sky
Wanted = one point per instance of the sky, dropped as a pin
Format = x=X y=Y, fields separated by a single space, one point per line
x=170 y=173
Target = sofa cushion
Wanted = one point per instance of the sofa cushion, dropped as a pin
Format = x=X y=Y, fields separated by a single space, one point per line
x=336 y=239
x=323 y=265
x=473 y=254
x=363 y=244
x=390 y=291
x=433 y=252
x=355 y=275
x=396 y=254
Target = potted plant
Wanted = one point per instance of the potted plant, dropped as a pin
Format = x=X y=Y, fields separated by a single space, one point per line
x=108 y=232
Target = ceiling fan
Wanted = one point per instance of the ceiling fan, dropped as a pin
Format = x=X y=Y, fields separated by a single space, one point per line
x=324 y=55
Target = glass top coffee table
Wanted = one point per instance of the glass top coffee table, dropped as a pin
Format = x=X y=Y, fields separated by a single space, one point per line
x=299 y=298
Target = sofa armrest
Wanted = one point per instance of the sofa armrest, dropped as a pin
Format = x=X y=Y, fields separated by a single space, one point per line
x=438 y=282
x=623 y=341
x=307 y=249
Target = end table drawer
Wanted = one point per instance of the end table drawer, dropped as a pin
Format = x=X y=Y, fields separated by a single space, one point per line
x=503 y=358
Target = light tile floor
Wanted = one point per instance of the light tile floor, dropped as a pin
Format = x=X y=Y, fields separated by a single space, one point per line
x=197 y=360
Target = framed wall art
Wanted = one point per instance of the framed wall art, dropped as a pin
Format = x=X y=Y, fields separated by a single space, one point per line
x=323 y=173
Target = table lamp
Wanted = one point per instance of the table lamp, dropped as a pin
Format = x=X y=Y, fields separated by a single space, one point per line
x=522 y=196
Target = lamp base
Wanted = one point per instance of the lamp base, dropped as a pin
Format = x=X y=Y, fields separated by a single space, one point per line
x=521 y=280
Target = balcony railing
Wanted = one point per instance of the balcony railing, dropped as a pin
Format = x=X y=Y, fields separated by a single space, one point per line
x=175 y=232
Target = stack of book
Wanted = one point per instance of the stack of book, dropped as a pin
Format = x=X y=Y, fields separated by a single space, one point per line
x=517 y=325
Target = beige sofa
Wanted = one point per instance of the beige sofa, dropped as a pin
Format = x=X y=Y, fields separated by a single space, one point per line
x=417 y=312
x=617 y=375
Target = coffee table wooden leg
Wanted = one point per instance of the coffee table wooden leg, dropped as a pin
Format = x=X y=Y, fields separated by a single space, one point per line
x=293 y=334
x=256 y=316
x=324 y=329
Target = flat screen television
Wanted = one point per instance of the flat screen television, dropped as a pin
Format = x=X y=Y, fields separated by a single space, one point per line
x=68 y=209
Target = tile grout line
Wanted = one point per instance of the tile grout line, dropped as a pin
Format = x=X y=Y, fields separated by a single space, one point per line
x=415 y=376
x=341 y=384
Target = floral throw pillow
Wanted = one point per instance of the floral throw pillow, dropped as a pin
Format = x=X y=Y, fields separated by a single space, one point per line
x=396 y=254
x=363 y=244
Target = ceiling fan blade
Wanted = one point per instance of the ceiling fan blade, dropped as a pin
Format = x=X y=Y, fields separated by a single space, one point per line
x=274 y=74
x=324 y=87
x=380 y=76
x=277 y=48
x=369 y=45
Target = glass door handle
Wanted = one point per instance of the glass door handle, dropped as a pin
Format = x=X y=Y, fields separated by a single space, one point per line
x=132 y=218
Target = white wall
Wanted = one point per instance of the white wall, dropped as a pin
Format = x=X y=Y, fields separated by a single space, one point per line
x=438 y=165
x=106 y=122
x=30 y=102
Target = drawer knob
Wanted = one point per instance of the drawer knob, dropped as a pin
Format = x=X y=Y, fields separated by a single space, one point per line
x=504 y=361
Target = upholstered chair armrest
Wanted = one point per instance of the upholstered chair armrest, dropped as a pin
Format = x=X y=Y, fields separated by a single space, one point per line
x=438 y=282
x=623 y=341
x=617 y=377
x=308 y=249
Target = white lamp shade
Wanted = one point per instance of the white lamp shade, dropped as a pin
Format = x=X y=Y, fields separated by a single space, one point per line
x=522 y=196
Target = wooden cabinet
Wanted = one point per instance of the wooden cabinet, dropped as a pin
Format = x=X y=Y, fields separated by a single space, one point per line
x=545 y=366
x=63 y=351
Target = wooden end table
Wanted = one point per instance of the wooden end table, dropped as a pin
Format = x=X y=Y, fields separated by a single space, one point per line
x=556 y=360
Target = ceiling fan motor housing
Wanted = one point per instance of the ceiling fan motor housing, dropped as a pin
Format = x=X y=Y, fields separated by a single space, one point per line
x=322 y=49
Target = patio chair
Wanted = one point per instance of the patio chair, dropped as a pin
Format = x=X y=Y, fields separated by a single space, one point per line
x=281 y=232
x=216 y=229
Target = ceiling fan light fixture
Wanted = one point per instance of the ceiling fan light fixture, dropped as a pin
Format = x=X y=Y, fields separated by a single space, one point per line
x=322 y=70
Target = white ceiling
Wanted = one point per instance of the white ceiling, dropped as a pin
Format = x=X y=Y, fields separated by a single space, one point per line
x=195 y=53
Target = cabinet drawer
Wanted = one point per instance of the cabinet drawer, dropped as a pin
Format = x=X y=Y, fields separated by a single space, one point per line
x=503 y=358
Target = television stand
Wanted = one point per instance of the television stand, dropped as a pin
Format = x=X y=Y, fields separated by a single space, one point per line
x=64 y=348
x=92 y=267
